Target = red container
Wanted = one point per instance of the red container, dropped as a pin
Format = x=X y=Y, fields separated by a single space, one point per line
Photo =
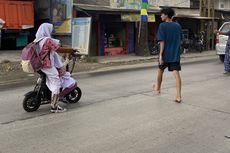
x=17 y=14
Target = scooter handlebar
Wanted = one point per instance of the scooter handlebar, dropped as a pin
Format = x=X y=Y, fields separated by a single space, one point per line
x=76 y=53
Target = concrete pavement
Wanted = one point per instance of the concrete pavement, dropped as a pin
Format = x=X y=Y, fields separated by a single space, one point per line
x=124 y=116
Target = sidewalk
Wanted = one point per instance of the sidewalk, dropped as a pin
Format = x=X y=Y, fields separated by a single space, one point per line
x=11 y=73
x=14 y=56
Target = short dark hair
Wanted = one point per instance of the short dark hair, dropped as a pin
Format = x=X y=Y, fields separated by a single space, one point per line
x=168 y=11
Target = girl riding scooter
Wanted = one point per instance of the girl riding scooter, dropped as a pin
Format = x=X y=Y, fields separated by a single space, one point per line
x=56 y=77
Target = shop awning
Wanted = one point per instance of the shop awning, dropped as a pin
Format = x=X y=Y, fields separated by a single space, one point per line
x=127 y=15
x=191 y=14
x=196 y=17
x=97 y=8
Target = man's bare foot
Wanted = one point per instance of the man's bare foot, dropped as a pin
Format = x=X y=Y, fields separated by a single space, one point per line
x=179 y=100
x=155 y=90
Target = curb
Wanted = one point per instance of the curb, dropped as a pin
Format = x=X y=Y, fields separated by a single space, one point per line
x=106 y=70
x=154 y=64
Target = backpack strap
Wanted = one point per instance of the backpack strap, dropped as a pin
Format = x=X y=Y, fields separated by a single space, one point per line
x=37 y=48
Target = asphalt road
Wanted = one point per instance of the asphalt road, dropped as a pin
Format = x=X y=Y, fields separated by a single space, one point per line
x=119 y=113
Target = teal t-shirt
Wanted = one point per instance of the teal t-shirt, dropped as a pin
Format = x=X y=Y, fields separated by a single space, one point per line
x=171 y=34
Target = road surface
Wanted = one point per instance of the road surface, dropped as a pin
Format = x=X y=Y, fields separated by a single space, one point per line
x=119 y=113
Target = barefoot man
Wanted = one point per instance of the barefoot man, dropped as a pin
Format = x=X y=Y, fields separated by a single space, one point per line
x=169 y=35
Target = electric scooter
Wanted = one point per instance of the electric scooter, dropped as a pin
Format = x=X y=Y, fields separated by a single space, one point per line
x=41 y=94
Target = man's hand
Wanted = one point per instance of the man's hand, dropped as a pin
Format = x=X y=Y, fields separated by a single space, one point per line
x=161 y=60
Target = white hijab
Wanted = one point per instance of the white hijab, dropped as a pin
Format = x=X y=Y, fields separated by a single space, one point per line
x=44 y=31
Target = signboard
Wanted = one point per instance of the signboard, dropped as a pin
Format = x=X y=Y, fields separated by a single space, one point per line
x=132 y=17
x=152 y=2
x=178 y=3
x=135 y=4
x=81 y=34
x=126 y=4
x=61 y=12
x=132 y=4
x=116 y=3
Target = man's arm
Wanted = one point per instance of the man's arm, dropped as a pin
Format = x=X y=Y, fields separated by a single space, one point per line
x=162 y=45
x=161 y=38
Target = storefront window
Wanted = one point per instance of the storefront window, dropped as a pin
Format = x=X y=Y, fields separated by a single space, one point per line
x=114 y=40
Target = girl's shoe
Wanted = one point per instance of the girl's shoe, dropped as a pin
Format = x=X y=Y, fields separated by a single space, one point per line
x=58 y=109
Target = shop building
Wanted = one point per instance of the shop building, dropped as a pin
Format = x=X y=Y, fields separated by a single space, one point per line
x=114 y=31
x=196 y=28
x=114 y=28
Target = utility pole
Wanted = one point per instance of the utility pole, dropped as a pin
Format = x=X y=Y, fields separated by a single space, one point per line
x=207 y=10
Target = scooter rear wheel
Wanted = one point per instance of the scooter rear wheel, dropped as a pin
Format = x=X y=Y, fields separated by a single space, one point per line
x=74 y=96
x=31 y=103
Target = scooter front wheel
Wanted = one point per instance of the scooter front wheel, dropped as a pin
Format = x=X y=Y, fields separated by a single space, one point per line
x=31 y=102
x=74 y=96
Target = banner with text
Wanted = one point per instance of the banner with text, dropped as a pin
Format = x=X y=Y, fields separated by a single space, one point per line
x=134 y=17
x=81 y=34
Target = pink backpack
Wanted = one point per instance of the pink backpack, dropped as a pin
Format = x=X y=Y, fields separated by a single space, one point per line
x=31 y=61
